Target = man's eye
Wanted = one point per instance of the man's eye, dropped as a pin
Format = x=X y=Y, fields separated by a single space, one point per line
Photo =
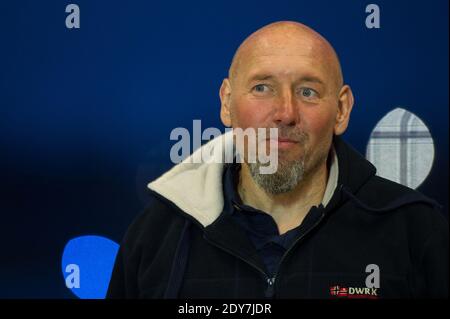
x=261 y=88
x=308 y=93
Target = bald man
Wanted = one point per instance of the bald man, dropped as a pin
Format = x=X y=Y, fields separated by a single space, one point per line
x=323 y=225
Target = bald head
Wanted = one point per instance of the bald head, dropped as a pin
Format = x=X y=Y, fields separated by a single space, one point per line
x=290 y=38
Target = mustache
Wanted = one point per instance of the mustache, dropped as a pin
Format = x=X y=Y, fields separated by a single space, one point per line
x=288 y=133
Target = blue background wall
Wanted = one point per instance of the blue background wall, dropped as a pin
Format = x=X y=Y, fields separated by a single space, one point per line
x=85 y=115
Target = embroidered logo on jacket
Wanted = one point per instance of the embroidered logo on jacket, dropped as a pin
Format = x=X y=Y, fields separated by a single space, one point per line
x=370 y=291
x=353 y=292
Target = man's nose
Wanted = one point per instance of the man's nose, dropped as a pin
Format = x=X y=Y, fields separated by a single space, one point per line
x=285 y=112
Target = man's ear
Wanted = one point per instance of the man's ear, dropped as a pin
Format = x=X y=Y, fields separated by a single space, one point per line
x=345 y=105
x=225 y=96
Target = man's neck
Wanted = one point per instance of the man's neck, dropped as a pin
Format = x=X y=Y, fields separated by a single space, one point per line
x=287 y=209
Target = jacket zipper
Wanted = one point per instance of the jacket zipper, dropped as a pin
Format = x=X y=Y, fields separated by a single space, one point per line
x=272 y=290
x=270 y=281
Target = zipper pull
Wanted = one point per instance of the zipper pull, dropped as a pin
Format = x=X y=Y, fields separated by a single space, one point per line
x=270 y=290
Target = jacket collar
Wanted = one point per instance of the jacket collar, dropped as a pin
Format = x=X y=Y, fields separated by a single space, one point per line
x=195 y=186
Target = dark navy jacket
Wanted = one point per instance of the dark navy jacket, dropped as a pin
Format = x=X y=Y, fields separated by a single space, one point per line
x=185 y=246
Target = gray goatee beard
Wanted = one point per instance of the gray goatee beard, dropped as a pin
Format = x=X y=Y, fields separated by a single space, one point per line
x=288 y=174
x=284 y=180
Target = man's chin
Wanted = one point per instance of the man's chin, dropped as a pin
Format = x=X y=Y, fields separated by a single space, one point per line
x=287 y=159
x=285 y=178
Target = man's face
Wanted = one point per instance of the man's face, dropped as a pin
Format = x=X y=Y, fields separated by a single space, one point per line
x=292 y=88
